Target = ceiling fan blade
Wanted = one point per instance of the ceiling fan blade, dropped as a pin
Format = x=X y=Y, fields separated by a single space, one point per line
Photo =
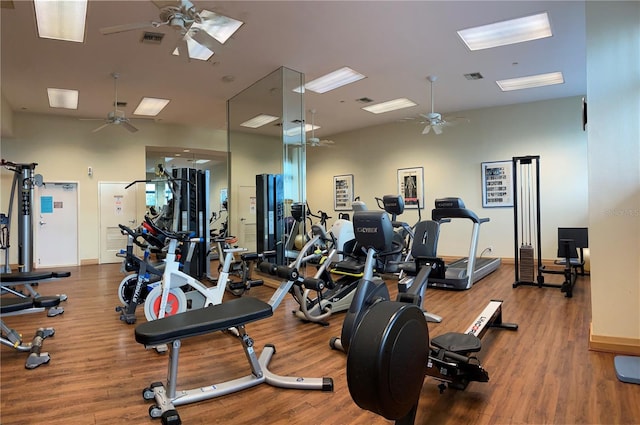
x=129 y=127
x=201 y=37
x=426 y=129
x=218 y=27
x=128 y=27
x=437 y=129
x=100 y=128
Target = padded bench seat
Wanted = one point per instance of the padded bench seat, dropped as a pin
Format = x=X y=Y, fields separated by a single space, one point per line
x=11 y=304
x=202 y=321
x=31 y=276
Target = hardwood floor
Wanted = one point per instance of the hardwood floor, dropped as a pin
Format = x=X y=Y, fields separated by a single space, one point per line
x=541 y=374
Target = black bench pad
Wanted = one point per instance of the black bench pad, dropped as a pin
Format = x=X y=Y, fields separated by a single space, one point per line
x=11 y=304
x=203 y=321
x=31 y=276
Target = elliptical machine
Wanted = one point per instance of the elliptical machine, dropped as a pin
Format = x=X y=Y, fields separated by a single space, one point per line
x=387 y=342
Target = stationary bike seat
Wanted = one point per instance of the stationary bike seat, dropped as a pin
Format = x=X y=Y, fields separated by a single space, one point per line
x=387 y=359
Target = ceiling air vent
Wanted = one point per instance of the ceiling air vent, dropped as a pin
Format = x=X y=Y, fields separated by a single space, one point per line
x=152 y=37
x=121 y=104
x=473 y=76
x=364 y=100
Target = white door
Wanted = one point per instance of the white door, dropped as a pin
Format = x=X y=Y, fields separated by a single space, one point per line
x=247 y=213
x=55 y=220
x=117 y=206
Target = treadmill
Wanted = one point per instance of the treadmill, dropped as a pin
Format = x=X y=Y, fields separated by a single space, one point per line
x=463 y=273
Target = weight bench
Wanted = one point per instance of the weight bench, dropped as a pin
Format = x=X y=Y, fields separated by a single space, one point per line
x=11 y=338
x=236 y=314
x=28 y=279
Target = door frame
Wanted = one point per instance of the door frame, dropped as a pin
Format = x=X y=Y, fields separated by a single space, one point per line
x=136 y=202
x=36 y=228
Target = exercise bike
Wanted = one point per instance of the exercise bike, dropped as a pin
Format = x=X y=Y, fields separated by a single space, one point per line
x=134 y=288
x=387 y=342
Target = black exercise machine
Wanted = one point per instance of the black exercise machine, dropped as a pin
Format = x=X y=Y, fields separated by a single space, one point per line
x=464 y=272
x=387 y=342
x=529 y=270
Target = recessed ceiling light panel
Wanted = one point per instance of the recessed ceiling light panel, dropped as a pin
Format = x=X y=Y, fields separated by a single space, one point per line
x=507 y=32
x=61 y=20
x=333 y=80
x=259 y=121
x=390 y=105
x=150 y=106
x=63 y=98
x=531 y=81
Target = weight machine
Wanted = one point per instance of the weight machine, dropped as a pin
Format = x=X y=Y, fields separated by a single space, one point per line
x=25 y=177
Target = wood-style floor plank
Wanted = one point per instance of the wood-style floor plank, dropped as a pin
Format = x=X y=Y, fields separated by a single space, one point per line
x=541 y=374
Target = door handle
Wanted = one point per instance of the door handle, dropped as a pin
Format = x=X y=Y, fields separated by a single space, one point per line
x=42 y=222
x=243 y=219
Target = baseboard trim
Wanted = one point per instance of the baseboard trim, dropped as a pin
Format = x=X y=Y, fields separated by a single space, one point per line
x=89 y=262
x=613 y=344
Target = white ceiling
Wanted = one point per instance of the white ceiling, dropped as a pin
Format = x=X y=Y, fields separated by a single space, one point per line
x=396 y=44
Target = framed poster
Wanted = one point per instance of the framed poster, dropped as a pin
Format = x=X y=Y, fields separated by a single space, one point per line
x=411 y=186
x=497 y=184
x=342 y=192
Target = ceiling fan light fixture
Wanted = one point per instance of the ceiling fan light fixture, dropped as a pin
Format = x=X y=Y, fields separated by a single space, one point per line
x=531 y=81
x=503 y=33
x=391 y=105
x=63 y=98
x=333 y=80
x=150 y=106
x=61 y=20
x=217 y=26
x=259 y=121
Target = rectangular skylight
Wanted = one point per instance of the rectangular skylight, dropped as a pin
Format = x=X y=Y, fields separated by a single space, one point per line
x=63 y=98
x=217 y=26
x=390 y=105
x=61 y=20
x=150 y=106
x=202 y=161
x=259 y=121
x=507 y=32
x=531 y=81
x=333 y=80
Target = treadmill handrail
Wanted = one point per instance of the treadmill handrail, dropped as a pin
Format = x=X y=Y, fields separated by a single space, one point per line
x=440 y=213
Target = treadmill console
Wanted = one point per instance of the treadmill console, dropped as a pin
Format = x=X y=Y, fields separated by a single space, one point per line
x=449 y=203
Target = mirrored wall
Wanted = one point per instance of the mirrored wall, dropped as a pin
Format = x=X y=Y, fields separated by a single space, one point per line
x=266 y=135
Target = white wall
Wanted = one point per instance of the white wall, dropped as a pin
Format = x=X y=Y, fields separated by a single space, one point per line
x=613 y=91
x=452 y=161
x=65 y=147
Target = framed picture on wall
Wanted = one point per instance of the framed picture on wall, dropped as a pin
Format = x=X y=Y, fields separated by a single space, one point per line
x=411 y=186
x=497 y=184
x=342 y=192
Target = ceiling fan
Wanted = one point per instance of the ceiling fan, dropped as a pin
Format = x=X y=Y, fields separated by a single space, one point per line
x=116 y=116
x=434 y=120
x=200 y=26
x=313 y=140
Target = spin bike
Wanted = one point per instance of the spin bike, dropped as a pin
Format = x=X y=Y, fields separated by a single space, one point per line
x=135 y=287
x=178 y=291
x=387 y=342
